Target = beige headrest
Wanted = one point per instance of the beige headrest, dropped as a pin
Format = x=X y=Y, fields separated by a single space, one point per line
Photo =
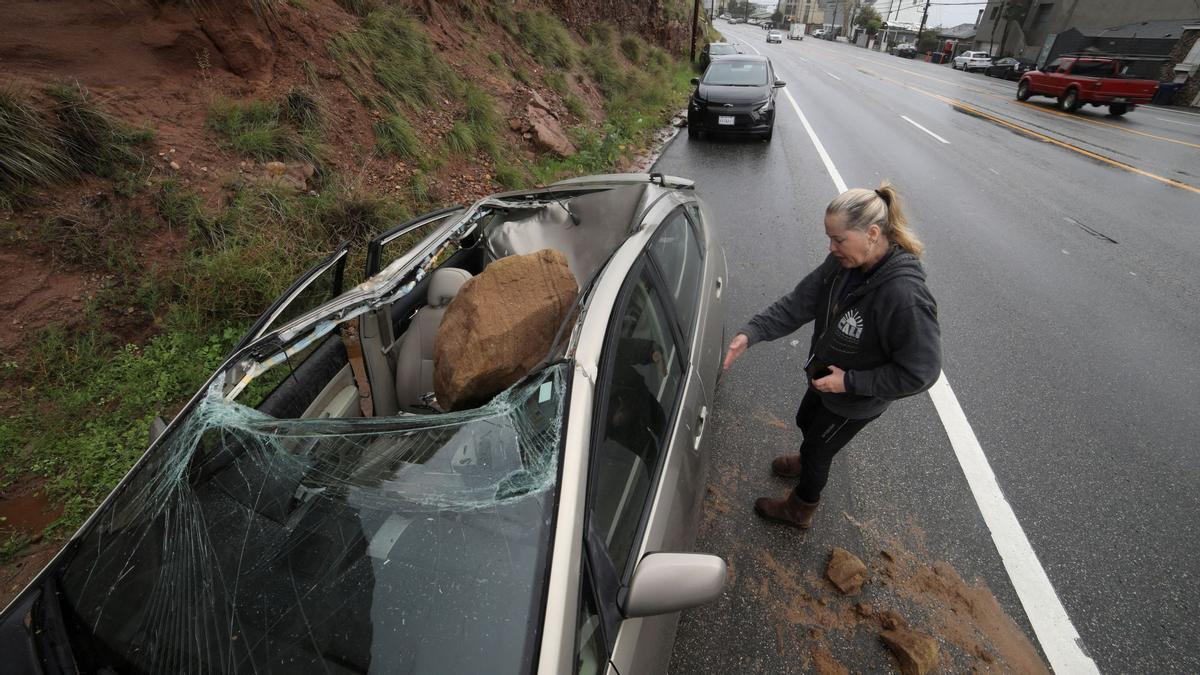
x=444 y=285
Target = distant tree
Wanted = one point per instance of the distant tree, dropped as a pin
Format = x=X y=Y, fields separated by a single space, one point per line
x=928 y=41
x=869 y=20
x=777 y=16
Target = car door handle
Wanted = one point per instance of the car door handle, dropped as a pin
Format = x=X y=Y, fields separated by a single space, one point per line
x=720 y=285
x=701 y=419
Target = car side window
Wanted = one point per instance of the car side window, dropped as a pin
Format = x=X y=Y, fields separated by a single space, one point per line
x=677 y=254
x=590 y=654
x=643 y=377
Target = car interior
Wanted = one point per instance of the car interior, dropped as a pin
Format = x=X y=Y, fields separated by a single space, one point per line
x=397 y=340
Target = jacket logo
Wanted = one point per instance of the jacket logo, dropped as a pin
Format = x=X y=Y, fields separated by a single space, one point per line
x=851 y=324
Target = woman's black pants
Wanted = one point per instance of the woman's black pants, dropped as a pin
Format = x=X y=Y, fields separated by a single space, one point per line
x=824 y=434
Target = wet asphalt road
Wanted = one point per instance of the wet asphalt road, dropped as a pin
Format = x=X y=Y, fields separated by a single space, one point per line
x=1069 y=298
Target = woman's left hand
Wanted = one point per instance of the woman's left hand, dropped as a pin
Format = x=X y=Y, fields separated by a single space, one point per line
x=833 y=383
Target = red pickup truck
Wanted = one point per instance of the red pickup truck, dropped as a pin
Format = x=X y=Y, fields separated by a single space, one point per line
x=1087 y=79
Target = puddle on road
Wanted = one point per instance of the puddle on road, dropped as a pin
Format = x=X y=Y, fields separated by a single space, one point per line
x=28 y=514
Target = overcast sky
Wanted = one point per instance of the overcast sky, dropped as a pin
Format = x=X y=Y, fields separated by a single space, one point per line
x=941 y=12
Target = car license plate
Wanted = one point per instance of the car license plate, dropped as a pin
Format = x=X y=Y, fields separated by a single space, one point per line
x=725 y=120
x=1120 y=99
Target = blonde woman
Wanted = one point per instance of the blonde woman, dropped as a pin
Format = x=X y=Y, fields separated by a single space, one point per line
x=875 y=339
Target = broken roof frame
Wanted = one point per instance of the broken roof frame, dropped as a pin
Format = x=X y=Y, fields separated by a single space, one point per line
x=401 y=276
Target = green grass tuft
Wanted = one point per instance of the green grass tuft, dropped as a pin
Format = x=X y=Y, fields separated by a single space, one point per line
x=461 y=139
x=395 y=136
x=359 y=8
x=301 y=110
x=260 y=129
x=98 y=143
x=633 y=48
x=510 y=177
x=544 y=37
x=33 y=152
x=576 y=106
x=392 y=48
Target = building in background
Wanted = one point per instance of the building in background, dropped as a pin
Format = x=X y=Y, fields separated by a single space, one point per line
x=1027 y=28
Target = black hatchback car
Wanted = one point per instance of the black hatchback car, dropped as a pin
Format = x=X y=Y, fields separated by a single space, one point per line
x=735 y=96
x=1009 y=68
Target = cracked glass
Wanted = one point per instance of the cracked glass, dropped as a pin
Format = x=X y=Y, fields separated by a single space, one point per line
x=247 y=543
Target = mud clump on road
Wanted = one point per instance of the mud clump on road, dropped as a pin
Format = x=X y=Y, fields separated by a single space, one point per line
x=924 y=612
x=916 y=652
x=846 y=572
x=964 y=616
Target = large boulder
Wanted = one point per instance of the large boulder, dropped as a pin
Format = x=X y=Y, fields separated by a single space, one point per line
x=547 y=133
x=499 y=326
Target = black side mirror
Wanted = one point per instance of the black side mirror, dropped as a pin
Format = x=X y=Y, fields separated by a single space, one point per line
x=695 y=80
x=780 y=83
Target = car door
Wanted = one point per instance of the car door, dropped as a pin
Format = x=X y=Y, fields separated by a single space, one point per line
x=675 y=269
x=1056 y=79
x=318 y=285
x=645 y=402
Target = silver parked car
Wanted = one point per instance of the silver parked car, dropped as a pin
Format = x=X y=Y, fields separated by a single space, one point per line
x=309 y=510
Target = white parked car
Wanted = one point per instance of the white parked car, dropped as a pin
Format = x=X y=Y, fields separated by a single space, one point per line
x=969 y=61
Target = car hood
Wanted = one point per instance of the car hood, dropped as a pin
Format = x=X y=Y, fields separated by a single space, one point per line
x=716 y=93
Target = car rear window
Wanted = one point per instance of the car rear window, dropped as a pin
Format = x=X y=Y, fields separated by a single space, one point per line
x=721 y=49
x=737 y=73
x=1093 y=68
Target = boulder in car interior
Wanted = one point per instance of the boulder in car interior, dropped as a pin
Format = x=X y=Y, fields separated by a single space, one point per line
x=500 y=325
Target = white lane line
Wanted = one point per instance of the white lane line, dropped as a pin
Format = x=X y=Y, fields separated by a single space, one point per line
x=1190 y=124
x=833 y=76
x=1056 y=633
x=753 y=47
x=833 y=172
x=1177 y=111
x=910 y=121
x=1051 y=624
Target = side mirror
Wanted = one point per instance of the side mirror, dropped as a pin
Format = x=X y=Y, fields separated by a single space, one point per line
x=695 y=80
x=780 y=83
x=669 y=582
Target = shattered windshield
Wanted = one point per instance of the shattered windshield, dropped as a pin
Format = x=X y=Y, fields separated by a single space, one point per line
x=410 y=544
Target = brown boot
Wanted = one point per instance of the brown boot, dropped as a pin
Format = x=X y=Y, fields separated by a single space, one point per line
x=786 y=466
x=790 y=510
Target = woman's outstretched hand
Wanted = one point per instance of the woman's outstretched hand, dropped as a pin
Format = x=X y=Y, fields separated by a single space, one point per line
x=736 y=347
x=833 y=383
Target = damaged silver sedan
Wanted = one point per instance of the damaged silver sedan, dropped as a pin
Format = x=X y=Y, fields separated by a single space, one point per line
x=314 y=509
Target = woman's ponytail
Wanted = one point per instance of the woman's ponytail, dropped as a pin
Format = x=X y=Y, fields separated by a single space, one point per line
x=897 y=223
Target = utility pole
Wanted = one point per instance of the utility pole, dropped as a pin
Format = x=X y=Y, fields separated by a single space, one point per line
x=833 y=21
x=695 y=11
x=920 y=30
